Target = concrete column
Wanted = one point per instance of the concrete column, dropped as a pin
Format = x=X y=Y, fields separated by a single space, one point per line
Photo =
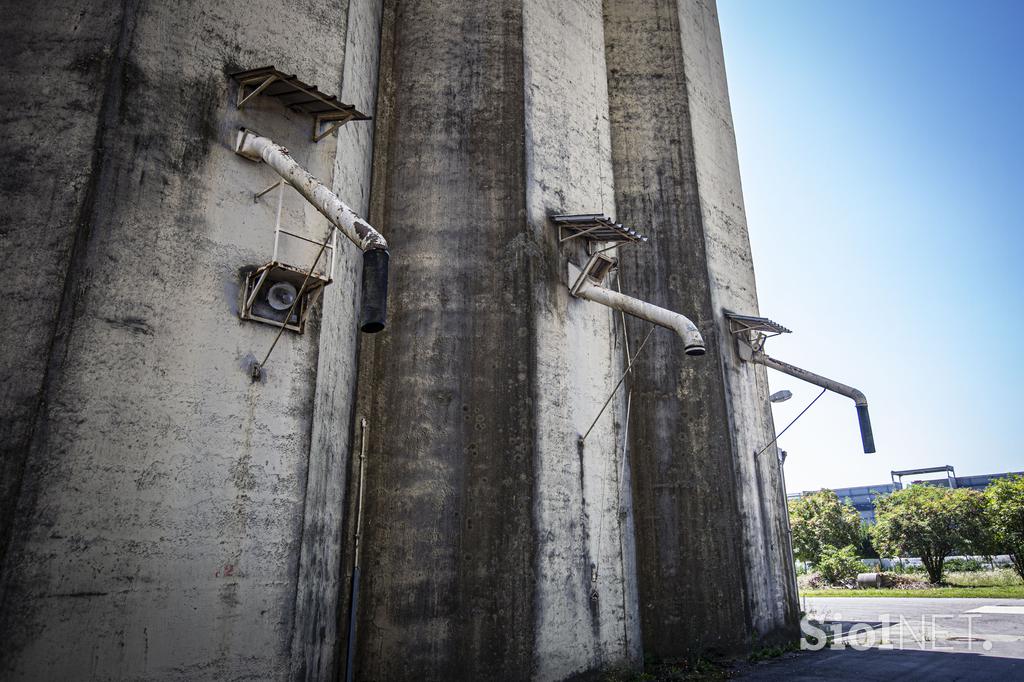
x=713 y=573
x=317 y=648
x=586 y=591
x=485 y=520
x=155 y=529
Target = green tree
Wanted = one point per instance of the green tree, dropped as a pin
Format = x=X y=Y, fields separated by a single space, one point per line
x=931 y=523
x=1006 y=517
x=820 y=519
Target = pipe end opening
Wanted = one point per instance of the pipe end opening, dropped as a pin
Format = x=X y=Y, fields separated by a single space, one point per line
x=695 y=350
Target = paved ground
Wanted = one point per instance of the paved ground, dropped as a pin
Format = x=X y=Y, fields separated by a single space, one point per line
x=909 y=639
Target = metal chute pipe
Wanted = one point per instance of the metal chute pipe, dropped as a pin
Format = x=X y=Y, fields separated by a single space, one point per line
x=374 y=308
x=255 y=147
x=680 y=324
x=866 y=436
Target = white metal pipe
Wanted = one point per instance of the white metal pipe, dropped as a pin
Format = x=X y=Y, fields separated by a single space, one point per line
x=858 y=397
x=680 y=324
x=258 y=148
x=810 y=377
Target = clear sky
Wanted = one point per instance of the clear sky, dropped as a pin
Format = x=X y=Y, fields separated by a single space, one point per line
x=882 y=154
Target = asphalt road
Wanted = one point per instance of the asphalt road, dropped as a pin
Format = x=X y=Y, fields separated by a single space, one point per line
x=909 y=639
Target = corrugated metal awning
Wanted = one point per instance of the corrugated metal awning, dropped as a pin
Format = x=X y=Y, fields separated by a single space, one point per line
x=297 y=96
x=743 y=323
x=595 y=227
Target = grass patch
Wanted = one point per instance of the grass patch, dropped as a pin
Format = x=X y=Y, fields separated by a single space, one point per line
x=998 y=578
x=999 y=584
x=1005 y=592
x=768 y=653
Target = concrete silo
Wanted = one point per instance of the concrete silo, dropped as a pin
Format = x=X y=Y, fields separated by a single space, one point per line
x=167 y=517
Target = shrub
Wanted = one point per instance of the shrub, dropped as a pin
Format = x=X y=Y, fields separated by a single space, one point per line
x=839 y=565
x=906 y=581
x=964 y=565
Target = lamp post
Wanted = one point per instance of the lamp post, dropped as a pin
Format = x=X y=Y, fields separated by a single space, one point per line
x=781 y=397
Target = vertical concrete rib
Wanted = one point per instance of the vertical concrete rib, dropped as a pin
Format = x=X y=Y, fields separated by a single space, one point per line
x=317 y=646
x=711 y=576
x=586 y=616
x=773 y=603
x=485 y=521
x=448 y=559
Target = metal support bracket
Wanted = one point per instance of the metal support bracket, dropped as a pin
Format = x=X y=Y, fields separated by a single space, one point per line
x=242 y=98
x=335 y=121
x=331 y=244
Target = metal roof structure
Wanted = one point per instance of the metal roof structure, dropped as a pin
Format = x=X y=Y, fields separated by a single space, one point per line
x=926 y=470
x=596 y=227
x=297 y=96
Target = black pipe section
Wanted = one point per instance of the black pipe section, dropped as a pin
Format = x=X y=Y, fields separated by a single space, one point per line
x=374 y=308
x=866 y=436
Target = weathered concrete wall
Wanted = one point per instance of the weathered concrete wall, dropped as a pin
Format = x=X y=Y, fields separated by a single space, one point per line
x=167 y=518
x=156 y=528
x=51 y=138
x=772 y=606
x=712 y=567
x=484 y=519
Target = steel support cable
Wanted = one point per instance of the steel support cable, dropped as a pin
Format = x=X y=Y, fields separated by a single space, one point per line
x=791 y=423
x=583 y=438
x=618 y=481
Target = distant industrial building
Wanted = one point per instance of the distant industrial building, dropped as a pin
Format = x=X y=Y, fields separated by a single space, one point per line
x=862 y=498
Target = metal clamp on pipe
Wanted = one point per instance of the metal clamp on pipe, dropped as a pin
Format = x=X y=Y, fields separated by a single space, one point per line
x=373 y=309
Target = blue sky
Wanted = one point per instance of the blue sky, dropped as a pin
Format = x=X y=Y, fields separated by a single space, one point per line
x=882 y=155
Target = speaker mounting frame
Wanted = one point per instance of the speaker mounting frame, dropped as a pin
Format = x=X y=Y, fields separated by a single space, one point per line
x=259 y=281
